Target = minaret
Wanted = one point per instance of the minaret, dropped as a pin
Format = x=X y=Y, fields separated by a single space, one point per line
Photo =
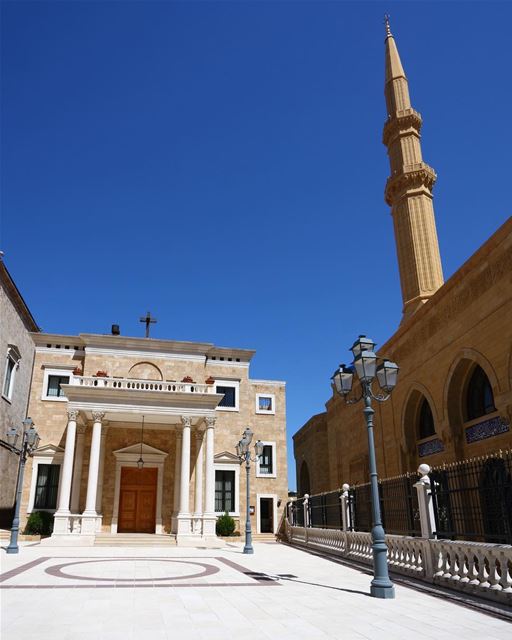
x=409 y=190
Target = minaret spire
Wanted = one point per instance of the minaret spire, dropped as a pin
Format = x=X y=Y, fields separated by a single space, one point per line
x=409 y=189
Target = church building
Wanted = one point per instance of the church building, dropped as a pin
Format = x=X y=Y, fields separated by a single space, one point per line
x=138 y=435
x=453 y=399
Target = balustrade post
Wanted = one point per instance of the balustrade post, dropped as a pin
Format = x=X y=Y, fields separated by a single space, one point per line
x=425 y=505
x=345 y=506
x=306 y=516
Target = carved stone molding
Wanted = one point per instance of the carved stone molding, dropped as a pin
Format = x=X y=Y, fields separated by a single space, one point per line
x=186 y=421
x=98 y=416
x=210 y=422
x=73 y=414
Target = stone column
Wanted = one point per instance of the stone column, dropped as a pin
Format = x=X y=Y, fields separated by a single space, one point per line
x=101 y=470
x=184 y=513
x=77 y=471
x=89 y=516
x=198 y=489
x=209 y=518
x=177 y=478
x=61 y=522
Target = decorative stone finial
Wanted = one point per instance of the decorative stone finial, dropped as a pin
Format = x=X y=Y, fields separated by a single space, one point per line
x=423 y=471
x=388 y=28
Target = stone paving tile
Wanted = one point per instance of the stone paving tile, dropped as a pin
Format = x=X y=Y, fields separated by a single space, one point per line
x=326 y=600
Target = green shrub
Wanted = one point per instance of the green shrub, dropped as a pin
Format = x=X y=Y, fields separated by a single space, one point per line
x=225 y=525
x=39 y=523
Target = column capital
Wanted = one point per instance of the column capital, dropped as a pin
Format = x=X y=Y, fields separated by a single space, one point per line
x=98 y=416
x=81 y=429
x=210 y=422
x=186 y=421
x=179 y=435
x=199 y=435
x=73 y=414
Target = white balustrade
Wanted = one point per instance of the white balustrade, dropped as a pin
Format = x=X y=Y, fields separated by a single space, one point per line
x=477 y=568
x=144 y=385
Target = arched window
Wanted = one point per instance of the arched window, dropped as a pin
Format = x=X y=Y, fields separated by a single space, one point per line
x=479 y=398
x=426 y=426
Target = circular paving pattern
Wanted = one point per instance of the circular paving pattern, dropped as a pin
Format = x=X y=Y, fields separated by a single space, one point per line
x=205 y=570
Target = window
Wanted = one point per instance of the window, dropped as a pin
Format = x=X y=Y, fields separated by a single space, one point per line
x=9 y=378
x=47 y=486
x=224 y=491
x=230 y=392
x=426 y=421
x=266 y=462
x=53 y=390
x=266 y=465
x=479 y=399
x=265 y=404
x=11 y=364
x=53 y=381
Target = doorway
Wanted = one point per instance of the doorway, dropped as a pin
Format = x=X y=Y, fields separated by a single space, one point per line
x=266 y=515
x=137 y=500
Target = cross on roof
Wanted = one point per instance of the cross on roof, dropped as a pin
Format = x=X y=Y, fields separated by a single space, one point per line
x=148 y=320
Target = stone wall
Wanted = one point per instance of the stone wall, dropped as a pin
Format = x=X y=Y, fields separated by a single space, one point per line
x=15 y=327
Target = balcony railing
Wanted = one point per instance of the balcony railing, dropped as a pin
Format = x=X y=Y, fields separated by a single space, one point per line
x=131 y=384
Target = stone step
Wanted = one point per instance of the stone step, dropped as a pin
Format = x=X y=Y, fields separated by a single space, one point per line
x=134 y=540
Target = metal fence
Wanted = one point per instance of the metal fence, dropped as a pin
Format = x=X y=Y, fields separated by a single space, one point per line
x=473 y=499
x=398 y=500
x=398 y=506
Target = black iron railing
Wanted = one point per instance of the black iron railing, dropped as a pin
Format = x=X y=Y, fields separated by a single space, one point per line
x=473 y=499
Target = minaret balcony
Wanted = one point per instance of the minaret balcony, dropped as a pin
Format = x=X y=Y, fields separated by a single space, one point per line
x=411 y=177
x=400 y=123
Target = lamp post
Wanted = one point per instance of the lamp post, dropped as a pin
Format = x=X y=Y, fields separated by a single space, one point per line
x=365 y=367
x=244 y=454
x=29 y=441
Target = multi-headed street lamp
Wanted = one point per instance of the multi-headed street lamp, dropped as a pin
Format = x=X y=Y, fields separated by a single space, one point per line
x=365 y=367
x=29 y=441
x=244 y=454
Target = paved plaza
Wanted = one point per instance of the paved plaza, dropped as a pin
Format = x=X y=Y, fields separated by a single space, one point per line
x=208 y=594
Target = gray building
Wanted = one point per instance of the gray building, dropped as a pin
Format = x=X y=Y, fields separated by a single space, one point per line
x=16 y=362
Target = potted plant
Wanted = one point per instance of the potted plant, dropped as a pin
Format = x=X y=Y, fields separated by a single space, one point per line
x=101 y=374
x=77 y=371
x=187 y=379
x=209 y=380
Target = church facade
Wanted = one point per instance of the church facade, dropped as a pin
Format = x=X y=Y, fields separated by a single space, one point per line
x=138 y=435
x=453 y=399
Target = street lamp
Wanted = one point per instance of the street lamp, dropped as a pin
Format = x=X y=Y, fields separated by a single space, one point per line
x=366 y=369
x=244 y=454
x=29 y=441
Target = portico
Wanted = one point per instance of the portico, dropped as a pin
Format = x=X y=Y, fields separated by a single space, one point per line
x=180 y=418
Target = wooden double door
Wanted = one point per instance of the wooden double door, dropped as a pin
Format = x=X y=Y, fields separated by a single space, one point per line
x=137 y=500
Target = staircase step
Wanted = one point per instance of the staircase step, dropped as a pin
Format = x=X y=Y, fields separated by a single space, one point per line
x=134 y=540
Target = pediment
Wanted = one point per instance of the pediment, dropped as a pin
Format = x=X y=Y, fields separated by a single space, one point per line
x=134 y=449
x=226 y=456
x=48 y=450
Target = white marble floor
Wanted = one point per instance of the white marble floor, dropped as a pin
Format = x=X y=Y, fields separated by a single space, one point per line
x=188 y=594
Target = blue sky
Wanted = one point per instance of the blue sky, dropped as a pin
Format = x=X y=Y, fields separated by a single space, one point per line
x=221 y=164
